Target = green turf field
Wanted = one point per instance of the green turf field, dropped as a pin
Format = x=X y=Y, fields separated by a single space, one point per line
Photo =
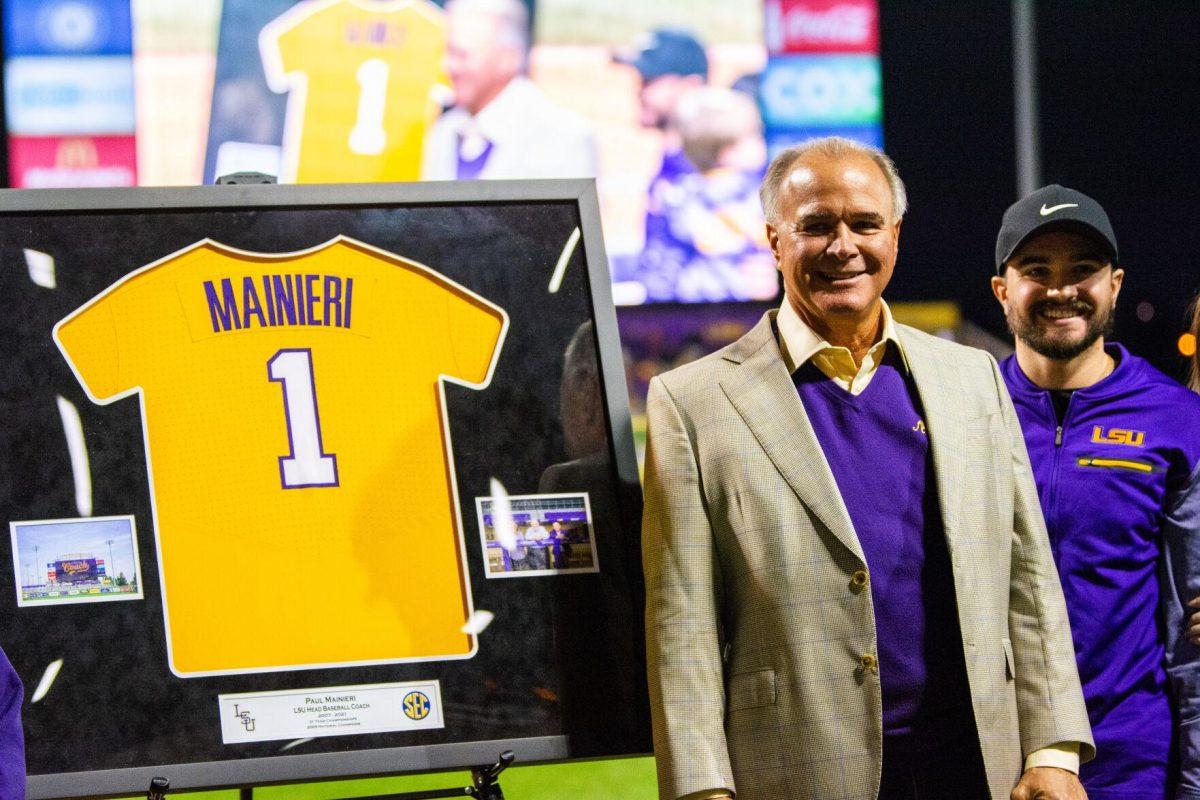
x=610 y=779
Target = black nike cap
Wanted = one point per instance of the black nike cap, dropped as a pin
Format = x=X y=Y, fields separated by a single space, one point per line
x=1050 y=208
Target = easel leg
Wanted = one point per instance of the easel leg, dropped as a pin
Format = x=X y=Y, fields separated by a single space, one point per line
x=485 y=780
x=485 y=785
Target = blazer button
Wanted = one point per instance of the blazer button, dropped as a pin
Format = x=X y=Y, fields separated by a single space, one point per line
x=869 y=664
x=859 y=580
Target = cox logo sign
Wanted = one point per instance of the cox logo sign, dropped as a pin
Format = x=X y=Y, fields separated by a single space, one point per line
x=800 y=91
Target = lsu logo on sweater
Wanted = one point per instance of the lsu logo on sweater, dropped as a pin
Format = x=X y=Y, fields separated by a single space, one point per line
x=1118 y=436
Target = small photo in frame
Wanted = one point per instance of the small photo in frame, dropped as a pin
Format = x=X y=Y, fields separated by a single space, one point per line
x=86 y=560
x=536 y=534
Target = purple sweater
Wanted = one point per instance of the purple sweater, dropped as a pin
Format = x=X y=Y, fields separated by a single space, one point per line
x=878 y=451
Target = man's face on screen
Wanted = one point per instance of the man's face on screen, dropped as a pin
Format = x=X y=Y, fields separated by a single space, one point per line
x=479 y=61
x=659 y=96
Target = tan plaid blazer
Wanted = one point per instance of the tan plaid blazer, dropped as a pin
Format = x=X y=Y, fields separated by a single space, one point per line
x=755 y=625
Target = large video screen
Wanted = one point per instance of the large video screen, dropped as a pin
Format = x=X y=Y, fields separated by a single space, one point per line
x=674 y=107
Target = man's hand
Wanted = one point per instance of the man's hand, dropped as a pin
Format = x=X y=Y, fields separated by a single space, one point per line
x=1193 y=629
x=1049 y=783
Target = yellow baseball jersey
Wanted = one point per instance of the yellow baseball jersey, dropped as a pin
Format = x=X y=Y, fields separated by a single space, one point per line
x=300 y=465
x=360 y=78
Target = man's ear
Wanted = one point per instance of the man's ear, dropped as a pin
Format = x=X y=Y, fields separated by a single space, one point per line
x=1000 y=289
x=773 y=240
x=1118 y=280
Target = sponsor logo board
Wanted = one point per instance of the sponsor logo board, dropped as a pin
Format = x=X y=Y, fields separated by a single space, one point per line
x=62 y=162
x=67 y=95
x=821 y=91
x=67 y=27
x=822 y=26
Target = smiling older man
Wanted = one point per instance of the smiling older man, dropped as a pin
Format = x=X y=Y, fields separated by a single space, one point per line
x=850 y=592
x=502 y=125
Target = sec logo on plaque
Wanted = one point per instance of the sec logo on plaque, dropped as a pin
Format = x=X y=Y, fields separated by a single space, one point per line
x=416 y=705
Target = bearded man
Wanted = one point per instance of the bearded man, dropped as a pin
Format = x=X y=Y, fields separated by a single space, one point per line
x=1115 y=448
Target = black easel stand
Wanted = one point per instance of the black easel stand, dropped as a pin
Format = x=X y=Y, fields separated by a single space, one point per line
x=158 y=789
x=485 y=785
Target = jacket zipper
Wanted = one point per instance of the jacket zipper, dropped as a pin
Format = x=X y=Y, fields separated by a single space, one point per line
x=1052 y=489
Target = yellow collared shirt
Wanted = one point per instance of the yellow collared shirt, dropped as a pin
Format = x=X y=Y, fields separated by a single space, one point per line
x=801 y=344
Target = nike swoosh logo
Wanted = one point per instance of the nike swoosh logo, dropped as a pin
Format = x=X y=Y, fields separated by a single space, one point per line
x=1045 y=212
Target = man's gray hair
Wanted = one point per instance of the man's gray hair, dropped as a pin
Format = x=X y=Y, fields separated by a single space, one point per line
x=830 y=147
x=511 y=16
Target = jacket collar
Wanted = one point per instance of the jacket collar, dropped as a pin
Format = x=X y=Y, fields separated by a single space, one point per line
x=762 y=392
x=1127 y=369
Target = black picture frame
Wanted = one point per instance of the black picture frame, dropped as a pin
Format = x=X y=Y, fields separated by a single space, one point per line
x=25 y=215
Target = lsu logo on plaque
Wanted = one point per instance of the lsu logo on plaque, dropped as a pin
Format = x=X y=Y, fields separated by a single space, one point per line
x=416 y=705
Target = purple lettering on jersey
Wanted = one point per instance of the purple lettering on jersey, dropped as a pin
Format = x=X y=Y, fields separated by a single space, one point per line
x=251 y=305
x=285 y=298
x=300 y=304
x=314 y=299
x=378 y=32
x=333 y=298
x=223 y=310
x=270 y=300
x=304 y=299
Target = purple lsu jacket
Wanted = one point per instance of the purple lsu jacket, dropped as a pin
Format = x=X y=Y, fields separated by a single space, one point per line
x=1119 y=483
x=12 y=741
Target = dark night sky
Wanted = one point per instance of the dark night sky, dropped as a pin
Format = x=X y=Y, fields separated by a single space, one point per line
x=1118 y=87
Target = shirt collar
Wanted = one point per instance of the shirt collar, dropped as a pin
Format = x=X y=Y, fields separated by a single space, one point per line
x=799 y=343
x=503 y=113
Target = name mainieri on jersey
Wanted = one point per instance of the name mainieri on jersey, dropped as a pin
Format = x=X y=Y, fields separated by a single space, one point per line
x=270 y=301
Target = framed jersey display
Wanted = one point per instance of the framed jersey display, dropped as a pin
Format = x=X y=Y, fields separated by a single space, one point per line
x=267 y=418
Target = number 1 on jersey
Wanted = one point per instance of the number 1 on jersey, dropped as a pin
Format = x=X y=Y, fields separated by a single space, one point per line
x=368 y=137
x=306 y=464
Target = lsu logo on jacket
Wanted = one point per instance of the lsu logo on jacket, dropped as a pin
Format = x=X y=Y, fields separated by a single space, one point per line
x=1118 y=436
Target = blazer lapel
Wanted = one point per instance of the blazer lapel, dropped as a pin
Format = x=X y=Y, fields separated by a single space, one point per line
x=763 y=393
x=937 y=386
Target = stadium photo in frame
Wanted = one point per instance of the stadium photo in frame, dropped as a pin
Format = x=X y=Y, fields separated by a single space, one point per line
x=88 y=560
x=295 y=393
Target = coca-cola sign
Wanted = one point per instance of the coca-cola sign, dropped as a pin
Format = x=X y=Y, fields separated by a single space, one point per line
x=822 y=26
